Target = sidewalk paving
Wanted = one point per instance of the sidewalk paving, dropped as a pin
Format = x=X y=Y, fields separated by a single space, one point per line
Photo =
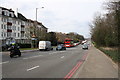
x=97 y=65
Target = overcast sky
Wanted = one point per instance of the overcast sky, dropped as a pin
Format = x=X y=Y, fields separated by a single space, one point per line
x=59 y=15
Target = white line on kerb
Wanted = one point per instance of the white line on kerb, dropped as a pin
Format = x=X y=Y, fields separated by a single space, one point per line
x=32 y=68
x=62 y=56
x=4 y=62
x=33 y=57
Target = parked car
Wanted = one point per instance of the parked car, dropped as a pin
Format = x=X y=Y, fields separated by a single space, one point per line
x=60 y=47
x=45 y=45
x=85 y=46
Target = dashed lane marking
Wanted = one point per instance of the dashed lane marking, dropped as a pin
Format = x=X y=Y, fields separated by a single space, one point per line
x=4 y=62
x=33 y=57
x=62 y=56
x=32 y=68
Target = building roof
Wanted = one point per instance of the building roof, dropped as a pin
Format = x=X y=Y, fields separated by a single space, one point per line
x=10 y=10
x=20 y=16
x=39 y=23
x=7 y=9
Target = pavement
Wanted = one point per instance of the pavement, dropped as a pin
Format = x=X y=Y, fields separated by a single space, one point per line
x=97 y=65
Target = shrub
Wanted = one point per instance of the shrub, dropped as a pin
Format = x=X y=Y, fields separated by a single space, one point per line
x=24 y=45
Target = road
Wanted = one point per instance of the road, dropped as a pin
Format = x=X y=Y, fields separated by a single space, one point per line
x=42 y=64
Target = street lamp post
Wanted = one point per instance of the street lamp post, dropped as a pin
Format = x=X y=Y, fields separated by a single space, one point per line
x=36 y=13
x=35 y=35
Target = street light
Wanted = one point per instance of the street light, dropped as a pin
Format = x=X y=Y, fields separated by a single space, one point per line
x=34 y=38
x=36 y=12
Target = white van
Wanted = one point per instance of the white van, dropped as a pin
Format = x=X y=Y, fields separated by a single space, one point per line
x=45 y=45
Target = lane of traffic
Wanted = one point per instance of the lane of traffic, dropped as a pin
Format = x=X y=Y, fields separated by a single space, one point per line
x=46 y=63
x=36 y=54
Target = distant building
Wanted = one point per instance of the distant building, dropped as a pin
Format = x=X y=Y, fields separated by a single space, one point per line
x=15 y=28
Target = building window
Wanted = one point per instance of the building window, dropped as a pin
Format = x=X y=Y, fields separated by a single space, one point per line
x=22 y=35
x=1 y=26
x=18 y=28
x=2 y=34
x=14 y=21
x=9 y=27
x=5 y=26
x=2 y=19
x=3 y=12
x=6 y=20
x=14 y=34
x=9 y=34
x=19 y=23
x=14 y=27
x=10 y=20
x=18 y=34
x=11 y=14
x=7 y=12
x=22 y=29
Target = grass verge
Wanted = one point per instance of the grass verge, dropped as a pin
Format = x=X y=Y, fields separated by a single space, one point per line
x=113 y=54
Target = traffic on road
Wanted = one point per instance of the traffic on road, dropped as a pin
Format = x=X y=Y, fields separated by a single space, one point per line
x=40 y=64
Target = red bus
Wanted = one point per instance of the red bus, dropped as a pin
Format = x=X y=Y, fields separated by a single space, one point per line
x=68 y=42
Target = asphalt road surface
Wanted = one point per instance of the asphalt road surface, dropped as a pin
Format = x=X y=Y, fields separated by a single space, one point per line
x=42 y=64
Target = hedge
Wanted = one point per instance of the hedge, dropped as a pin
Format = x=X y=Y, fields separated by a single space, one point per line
x=24 y=45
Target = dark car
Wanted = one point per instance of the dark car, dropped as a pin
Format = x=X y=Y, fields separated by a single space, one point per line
x=60 y=47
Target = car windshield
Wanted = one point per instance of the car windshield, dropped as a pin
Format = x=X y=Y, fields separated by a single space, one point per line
x=85 y=44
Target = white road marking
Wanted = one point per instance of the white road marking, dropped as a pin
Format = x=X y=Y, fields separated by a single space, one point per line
x=62 y=56
x=33 y=57
x=32 y=68
x=4 y=62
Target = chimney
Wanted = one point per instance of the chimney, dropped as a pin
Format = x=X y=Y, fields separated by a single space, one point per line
x=16 y=12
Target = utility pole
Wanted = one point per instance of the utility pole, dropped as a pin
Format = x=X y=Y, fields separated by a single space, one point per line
x=35 y=30
x=36 y=13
